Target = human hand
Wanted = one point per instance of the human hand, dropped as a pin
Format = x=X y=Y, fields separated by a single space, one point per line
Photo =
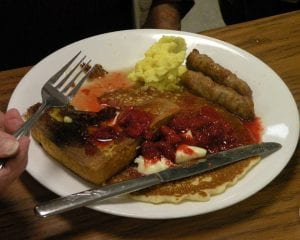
x=14 y=152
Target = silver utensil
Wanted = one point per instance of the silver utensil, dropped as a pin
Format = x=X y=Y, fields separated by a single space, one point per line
x=58 y=91
x=211 y=162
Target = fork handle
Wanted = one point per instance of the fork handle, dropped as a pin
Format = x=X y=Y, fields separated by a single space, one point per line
x=24 y=129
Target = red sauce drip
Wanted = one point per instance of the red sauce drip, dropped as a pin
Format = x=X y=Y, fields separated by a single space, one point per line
x=185 y=148
x=87 y=98
x=134 y=173
x=255 y=129
x=134 y=122
x=86 y=91
x=98 y=133
x=103 y=133
x=131 y=122
x=90 y=149
x=154 y=150
x=151 y=161
x=169 y=135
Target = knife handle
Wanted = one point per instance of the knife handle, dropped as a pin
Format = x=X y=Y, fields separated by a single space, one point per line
x=84 y=198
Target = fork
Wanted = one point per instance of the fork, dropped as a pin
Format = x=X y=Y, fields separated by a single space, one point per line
x=56 y=93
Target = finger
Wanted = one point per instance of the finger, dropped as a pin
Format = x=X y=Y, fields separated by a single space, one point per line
x=14 y=167
x=1 y=121
x=18 y=163
x=12 y=120
x=8 y=145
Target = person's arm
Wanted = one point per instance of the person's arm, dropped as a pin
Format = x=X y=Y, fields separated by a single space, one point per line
x=14 y=152
x=167 y=14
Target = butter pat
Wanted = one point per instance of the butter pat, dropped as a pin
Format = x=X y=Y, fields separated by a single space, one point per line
x=67 y=119
x=183 y=153
x=162 y=65
x=186 y=153
x=145 y=167
x=55 y=114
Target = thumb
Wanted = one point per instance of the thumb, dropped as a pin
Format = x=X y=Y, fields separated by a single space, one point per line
x=8 y=145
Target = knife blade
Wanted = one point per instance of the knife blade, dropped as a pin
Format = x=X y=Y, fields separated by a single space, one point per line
x=212 y=161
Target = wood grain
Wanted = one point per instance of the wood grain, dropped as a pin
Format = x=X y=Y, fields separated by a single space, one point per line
x=272 y=213
x=8 y=81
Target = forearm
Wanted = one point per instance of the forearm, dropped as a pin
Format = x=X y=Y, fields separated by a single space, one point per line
x=164 y=14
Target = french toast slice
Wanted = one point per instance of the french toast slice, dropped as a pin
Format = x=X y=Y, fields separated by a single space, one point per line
x=95 y=167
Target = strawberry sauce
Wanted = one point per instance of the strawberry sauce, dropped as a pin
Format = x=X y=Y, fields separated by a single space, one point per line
x=87 y=98
x=207 y=127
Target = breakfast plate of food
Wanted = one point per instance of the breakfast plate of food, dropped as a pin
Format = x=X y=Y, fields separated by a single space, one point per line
x=157 y=99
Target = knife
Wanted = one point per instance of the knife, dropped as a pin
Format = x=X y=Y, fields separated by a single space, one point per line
x=212 y=161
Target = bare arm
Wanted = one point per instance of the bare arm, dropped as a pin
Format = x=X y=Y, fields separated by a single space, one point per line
x=167 y=14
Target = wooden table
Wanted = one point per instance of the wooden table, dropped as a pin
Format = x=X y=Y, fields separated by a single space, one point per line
x=272 y=213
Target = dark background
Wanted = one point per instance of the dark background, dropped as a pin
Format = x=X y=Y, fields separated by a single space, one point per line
x=235 y=11
x=32 y=29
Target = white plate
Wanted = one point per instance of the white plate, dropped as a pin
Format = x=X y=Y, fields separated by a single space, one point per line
x=274 y=104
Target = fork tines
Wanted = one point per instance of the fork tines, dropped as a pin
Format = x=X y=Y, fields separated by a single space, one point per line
x=67 y=83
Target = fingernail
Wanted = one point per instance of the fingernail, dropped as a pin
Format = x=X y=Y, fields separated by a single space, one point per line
x=10 y=147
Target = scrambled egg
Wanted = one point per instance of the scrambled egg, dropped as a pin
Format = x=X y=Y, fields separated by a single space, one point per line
x=162 y=65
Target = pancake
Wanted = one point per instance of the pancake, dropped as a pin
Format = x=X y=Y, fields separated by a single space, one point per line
x=197 y=188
